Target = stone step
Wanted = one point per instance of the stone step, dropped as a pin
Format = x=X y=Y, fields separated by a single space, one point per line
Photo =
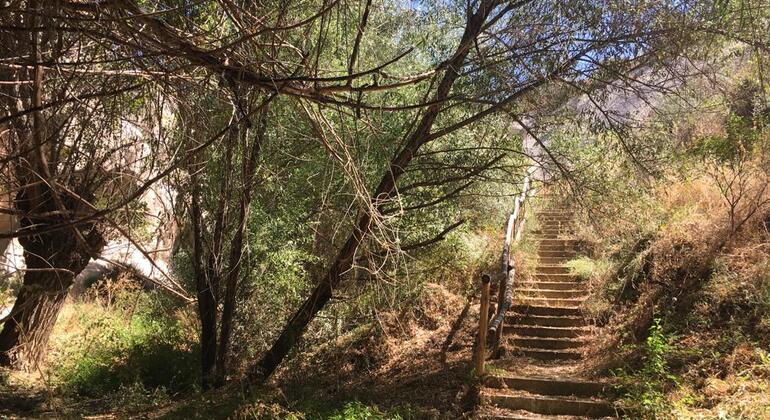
x=540 y=310
x=552 y=285
x=549 y=354
x=554 y=277
x=565 y=302
x=548 y=386
x=552 y=293
x=546 y=343
x=546 y=320
x=550 y=405
x=544 y=331
x=551 y=269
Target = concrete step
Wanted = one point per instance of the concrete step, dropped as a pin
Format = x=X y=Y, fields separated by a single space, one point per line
x=551 y=269
x=552 y=254
x=548 y=386
x=570 y=321
x=566 y=302
x=540 y=310
x=549 y=354
x=546 y=343
x=553 y=260
x=555 y=277
x=550 y=405
x=552 y=293
x=552 y=285
x=545 y=331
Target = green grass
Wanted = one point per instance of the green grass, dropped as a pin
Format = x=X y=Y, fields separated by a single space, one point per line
x=130 y=351
x=587 y=268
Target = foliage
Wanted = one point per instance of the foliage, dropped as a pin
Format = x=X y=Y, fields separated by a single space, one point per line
x=646 y=388
x=336 y=118
x=599 y=275
x=130 y=347
x=359 y=411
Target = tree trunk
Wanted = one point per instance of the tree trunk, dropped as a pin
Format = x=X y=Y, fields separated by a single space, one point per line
x=236 y=248
x=53 y=257
x=322 y=293
x=205 y=292
x=24 y=338
x=53 y=260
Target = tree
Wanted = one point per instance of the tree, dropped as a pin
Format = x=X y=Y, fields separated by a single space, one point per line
x=61 y=153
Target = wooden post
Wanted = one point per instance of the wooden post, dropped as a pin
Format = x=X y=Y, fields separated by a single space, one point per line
x=481 y=351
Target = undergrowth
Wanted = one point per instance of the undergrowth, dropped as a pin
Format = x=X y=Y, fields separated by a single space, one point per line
x=645 y=389
x=125 y=346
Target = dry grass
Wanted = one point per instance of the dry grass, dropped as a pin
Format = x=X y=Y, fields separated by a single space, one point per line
x=420 y=361
x=709 y=284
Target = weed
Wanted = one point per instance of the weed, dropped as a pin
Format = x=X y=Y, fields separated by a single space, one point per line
x=130 y=349
x=597 y=272
x=645 y=388
x=359 y=411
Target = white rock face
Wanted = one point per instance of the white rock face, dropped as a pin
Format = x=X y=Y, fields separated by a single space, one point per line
x=149 y=251
x=162 y=231
x=121 y=252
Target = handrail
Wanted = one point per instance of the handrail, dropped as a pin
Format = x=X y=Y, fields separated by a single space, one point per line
x=513 y=233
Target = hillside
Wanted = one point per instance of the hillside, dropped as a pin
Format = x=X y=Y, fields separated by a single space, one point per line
x=322 y=209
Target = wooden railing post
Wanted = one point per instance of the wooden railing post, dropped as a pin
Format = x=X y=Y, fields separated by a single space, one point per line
x=513 y=232
x=481 y=350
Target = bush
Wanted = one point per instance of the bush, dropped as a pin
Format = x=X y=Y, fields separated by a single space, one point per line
x=646 y=388
x=598 y=273
x=359 y=411
x=131 y=345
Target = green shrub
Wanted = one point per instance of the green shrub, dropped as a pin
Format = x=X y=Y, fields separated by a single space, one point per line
x=359 y=411
x=587 y=268
x=133 y=346
x=645 y=388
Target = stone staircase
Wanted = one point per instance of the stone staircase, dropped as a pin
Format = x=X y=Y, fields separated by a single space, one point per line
x=545 y=334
